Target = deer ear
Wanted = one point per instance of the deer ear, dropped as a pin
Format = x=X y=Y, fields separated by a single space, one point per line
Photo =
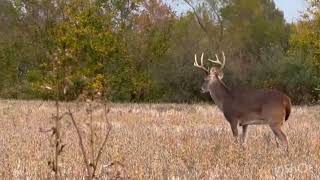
x=220 y=74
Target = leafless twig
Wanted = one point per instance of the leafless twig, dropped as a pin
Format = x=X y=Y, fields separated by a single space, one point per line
x=85 y=158
x=101 y=149
x=95 y=160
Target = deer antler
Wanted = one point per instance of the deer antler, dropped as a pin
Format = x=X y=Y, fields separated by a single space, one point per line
x=201 y=66
x=217 y=61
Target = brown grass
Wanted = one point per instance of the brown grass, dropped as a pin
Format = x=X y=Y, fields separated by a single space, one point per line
x=157 y=141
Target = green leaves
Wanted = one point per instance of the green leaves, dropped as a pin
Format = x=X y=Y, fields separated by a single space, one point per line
x=86 y=43
x=142 y=51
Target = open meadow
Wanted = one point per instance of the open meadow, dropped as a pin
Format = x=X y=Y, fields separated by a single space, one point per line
x=68 y=66
x=155 y=141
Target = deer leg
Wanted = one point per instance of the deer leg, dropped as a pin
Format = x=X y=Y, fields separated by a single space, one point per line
x=234 y=128
x=285 y=139
x=244 y=133
x=280 y=135
x=276 y=139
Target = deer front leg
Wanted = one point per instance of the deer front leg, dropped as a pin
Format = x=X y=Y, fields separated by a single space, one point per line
x=234 y=128
x=244 y=134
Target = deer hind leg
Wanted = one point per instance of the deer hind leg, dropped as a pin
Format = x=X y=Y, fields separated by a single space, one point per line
x=280 y=135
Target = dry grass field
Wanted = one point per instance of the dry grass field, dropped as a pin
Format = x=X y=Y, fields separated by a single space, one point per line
x=156 y=141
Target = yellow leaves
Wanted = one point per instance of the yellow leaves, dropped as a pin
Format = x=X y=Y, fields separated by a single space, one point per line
x=306 y=38
x=98 y=83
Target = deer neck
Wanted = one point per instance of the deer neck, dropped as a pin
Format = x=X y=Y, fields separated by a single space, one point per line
x=220 y=93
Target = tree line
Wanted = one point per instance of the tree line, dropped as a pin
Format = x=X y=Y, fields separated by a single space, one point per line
x=142 y=50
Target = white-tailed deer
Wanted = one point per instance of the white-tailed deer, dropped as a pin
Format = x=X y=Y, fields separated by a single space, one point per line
x=242 y=107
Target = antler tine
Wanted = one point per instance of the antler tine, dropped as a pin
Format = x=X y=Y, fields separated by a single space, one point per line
x=201 y=66
x=195 y=63
x=202 y=60
x=224 y=60
x=217 y=61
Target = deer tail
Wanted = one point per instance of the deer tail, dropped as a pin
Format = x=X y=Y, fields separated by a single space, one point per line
x=287 y=105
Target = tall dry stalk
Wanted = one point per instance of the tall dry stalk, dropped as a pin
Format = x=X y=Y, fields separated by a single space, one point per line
x=57 y=140
x=91 y=163
x=56 y=129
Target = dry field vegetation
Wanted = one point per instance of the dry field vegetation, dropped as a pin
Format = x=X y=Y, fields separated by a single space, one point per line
x=156 y=141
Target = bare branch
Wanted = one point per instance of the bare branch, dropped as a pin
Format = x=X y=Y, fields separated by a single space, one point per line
x=56 y=132
x=219 y=19
x=101 y=149
x=198 y=17
x=215 y=10
x=85 y=158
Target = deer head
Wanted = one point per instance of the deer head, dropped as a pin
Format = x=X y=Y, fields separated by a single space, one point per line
x=214 y=74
